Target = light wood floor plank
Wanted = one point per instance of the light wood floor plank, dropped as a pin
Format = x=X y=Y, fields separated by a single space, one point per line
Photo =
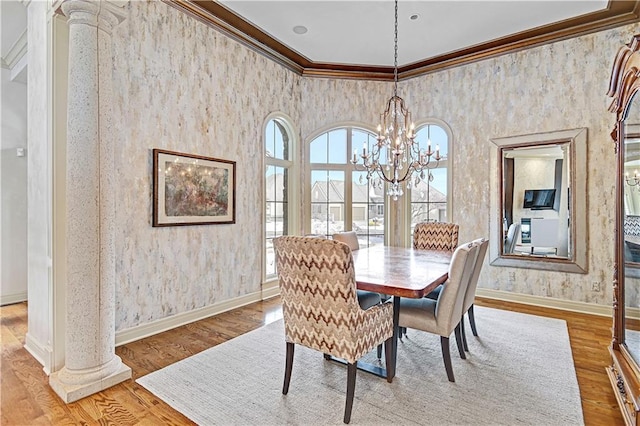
x=27 y=399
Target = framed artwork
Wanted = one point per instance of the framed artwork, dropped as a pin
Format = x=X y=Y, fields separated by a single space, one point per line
x=192 y=190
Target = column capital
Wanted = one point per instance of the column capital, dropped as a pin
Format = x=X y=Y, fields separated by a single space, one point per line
x=102 y=14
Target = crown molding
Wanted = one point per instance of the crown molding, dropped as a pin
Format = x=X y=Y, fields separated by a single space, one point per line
x=214 y=14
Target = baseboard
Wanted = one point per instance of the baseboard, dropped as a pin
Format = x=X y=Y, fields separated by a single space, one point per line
x=270 y=289
x=548 y=302
x=10 y=299
x=42 y=354
x=164 y=324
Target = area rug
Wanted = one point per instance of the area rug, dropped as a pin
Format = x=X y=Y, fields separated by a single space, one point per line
x=519 y=371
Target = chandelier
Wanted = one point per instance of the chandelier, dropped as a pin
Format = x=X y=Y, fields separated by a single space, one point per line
x=396 y=156
x=632 y=181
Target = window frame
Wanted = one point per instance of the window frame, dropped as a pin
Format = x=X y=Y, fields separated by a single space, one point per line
x=347 y=168
x=292 y=165
x=447 y=162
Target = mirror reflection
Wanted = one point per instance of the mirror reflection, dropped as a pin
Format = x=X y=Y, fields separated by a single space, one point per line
x=536 y=208
x=631 y=217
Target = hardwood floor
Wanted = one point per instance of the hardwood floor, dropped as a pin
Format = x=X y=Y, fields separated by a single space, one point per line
x=27 y=399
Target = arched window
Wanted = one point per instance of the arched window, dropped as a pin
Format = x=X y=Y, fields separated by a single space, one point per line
x=280 y=212
x=430 y=199
x=341 y=198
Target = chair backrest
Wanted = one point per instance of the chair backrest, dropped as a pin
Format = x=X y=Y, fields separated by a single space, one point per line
x=470 y=294
x=449 y=303
x=435 y=236
x=318 y=292
x=350 y=238
x=512 y=237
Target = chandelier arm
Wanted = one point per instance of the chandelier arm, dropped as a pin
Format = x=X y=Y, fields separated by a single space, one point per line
x=396 y=138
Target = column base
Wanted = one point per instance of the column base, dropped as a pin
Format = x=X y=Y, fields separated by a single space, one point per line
x=73 y=392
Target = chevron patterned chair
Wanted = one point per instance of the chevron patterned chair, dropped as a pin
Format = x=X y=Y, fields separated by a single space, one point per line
x=365 y=298
x=321 y=310
x=436 y=236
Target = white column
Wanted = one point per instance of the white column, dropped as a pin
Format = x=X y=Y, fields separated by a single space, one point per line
x=90 y=361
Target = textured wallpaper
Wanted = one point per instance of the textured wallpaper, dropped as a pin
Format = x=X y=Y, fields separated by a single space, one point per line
x=182 y=86
x=554 y=87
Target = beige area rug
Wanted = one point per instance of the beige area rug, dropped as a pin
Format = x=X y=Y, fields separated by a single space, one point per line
x=519 y=372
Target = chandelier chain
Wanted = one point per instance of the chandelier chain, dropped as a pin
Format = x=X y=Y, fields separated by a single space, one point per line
x=395 y=156
x=395 y=56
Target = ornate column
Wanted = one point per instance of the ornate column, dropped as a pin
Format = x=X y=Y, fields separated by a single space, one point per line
x=90 y=361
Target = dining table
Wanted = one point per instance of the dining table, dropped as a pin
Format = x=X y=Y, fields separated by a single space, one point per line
x=398 y=272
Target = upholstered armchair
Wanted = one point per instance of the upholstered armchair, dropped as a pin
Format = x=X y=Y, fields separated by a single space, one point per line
x=512 y=238
x=321 y=310
x=442 y=316
x=470 y=294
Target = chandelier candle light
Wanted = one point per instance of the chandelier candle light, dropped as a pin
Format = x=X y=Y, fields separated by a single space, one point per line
x=632 y=181
x=401 y=154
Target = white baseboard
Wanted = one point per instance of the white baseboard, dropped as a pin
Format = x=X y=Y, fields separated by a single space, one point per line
x=164 y=324
x=547 y=302
x=270 y=289
x=9 y=299
x=42 y=354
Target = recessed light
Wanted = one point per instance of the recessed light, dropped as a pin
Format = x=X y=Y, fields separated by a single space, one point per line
x=300 y=29
x=414 y=17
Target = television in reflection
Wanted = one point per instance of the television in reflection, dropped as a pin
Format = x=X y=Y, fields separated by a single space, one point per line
x=539 y=199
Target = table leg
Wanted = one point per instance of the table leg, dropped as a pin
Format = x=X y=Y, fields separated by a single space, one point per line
x=396 y=334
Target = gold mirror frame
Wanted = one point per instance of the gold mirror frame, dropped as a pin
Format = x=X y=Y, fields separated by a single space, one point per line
x=577 y=142
x=624 y=373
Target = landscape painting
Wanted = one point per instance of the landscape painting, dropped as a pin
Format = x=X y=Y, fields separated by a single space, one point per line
x=192 y=189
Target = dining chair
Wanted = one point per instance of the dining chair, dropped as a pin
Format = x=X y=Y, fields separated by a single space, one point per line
x=442 y=316
x=441 y=236
x=366 y=299
x=317 y=280
x=512 y=238
x=470 y=294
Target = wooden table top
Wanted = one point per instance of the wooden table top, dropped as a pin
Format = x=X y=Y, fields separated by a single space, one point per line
x=399 y=271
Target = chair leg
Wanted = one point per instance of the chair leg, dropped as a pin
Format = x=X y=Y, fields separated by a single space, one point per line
x=458 y=332
x=388 y=358
x=464 y=335
x=446 y=356
x=288 y=367
x=351 y=386
x=472 y=321
x=379 y=351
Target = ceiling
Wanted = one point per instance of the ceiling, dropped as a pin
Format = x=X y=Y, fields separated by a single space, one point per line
x=356 y=38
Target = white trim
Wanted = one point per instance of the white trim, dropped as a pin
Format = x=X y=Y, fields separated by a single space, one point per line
x=43 y=354
x=168 y=323
x=16 y=52
x=270 y=289
x=548 y=302
x=10 y=299
x=292 y=164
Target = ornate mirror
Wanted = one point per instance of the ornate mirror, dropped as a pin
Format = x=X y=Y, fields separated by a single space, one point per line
x=539 y=187
x=624 y=372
